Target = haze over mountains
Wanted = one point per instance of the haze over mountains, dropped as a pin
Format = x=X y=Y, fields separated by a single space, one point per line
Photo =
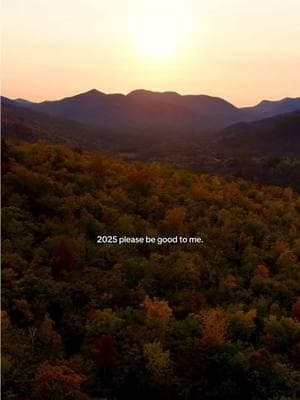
x=188 y=131
x=275 y=136
x=165 y=111
x=29 y=125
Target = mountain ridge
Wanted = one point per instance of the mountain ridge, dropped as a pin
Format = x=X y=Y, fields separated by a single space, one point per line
x=245 y=149
x=273 y=136
x=147 y=110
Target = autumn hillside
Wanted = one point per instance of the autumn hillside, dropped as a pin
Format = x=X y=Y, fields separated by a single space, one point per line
x=81 y=321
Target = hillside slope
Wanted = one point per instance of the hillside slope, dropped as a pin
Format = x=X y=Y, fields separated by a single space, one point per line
x=276 y=136
x=266 y=151
x=267 y=108
x=21 y=123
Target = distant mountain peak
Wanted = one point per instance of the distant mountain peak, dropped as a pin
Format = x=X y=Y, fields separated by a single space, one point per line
x=91 y=92
x=139 y=92
x=148 y=110
x=20 y=100
x=145 y=92
x=283 y=100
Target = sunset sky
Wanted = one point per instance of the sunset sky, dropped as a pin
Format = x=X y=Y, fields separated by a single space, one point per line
x=241 y=50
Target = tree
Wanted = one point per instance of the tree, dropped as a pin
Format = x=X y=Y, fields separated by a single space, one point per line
x=214 y=327
x=296 y=309
x=282 y=333
x=105 y=353
x=63 y=258
x=174 y=219
x=58 y=382
x=242 y=324
x=158 y=362
x=49 y=338
x=158 y=314
x=262 y=271
x=103 y=322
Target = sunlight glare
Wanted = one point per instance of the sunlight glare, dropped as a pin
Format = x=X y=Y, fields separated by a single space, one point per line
x=157 y=32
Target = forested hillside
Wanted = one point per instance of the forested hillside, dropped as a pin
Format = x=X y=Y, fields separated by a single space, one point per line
x=276 y=136
x=266 y=151
x=212 y=321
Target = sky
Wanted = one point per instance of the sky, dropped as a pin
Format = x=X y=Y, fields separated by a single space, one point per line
x=242 y=50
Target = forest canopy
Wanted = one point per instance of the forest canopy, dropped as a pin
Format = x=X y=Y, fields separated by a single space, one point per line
x=220 y=320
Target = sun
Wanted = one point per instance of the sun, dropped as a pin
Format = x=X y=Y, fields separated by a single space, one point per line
x=157 y=35
x=157 y=38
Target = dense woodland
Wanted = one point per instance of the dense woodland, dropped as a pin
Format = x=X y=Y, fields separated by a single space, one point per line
x=80 y=321
x=266 y=151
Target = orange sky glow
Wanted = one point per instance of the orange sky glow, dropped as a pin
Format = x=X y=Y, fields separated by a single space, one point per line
x=243 y=51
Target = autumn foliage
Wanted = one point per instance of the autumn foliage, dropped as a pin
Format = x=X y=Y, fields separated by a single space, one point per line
x=81 y=320
x=105 y=353
x=214 y=327
x=58 y=382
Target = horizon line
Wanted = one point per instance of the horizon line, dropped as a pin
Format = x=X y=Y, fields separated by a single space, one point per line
x=146 y=90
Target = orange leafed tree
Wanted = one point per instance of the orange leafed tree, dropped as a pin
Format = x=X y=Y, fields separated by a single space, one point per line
x=262 y=271
x=58 y=382
x=214 y=327
x=158 y=315
x=157 y=309
x=175 y=218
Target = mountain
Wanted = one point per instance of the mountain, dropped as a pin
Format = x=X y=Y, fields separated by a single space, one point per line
x=164 y=112
x=29 y=125
x=26 y=124
x=266 y=108
x=275 y=136
x=143 y=110
x=244 y=149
